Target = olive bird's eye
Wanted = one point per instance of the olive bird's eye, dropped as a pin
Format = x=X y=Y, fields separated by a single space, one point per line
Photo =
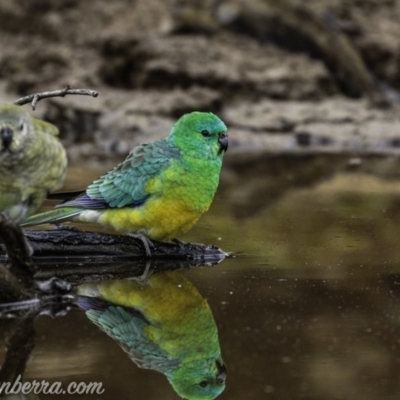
x=21 y=125
x=205 y=133
x=203 y=383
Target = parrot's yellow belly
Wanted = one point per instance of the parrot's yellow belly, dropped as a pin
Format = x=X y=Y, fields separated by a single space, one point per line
x=159 y=219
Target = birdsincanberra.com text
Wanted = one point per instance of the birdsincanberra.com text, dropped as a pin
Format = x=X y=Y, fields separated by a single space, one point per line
x=44 y=387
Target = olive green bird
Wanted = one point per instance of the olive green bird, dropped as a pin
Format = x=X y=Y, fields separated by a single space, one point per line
x=161 y=189
x=163 y=324
x=32 y=161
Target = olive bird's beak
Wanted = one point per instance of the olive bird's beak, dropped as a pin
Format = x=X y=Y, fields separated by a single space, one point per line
x=6 y=136
x=221 y=377
x=223 y=142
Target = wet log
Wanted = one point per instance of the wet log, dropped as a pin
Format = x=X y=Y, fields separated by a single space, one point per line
x=73 y=256
x=72 y=244
x=68 y=245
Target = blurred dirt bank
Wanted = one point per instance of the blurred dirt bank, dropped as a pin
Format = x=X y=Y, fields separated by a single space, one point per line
x=288 y=77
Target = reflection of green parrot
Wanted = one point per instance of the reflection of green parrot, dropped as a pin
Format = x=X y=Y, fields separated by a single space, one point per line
x=163 y=324
x=161 y=189
x=32 y=161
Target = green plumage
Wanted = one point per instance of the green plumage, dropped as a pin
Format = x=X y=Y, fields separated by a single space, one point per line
x=125 y=184
x=163 y=324
x=161 y=189
x=32 y=161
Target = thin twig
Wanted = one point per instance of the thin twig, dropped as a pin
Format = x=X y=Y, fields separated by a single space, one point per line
x=34 y=98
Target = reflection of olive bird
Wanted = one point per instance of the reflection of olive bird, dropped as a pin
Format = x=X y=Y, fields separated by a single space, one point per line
x=32 y=161
x=163 y=324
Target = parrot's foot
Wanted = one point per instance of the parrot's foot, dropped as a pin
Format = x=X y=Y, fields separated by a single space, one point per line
x=147 y=243
x=146 y=272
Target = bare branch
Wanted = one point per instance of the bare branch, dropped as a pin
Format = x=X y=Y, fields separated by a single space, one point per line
x=34 y=98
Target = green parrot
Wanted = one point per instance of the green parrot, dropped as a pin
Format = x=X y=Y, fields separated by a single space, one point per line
x=160 y=190
x=163 y=324
x=33 y=162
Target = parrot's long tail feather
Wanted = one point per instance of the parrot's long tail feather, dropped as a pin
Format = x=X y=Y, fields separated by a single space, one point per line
x=55 y=216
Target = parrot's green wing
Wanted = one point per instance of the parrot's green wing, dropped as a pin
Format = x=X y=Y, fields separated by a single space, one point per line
x=125 y=184
x=126 y=326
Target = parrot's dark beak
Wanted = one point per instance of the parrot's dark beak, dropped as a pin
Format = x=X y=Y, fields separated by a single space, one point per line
x=221 y=377
x=6 y=136
x=223 y=142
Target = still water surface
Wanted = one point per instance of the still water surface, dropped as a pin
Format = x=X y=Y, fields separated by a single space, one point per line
x=308 y=307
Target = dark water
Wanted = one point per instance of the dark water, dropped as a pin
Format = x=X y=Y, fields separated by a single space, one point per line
x=308 y=308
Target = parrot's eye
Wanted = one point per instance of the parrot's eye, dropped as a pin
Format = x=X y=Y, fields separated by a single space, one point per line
x=203 y=383
x=205 y=133
x=21 y=125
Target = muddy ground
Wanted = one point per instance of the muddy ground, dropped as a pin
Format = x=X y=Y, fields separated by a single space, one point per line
x=288 y=77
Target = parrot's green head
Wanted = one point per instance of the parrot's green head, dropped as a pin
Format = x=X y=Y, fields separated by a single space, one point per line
x=199 y=379
x=15 y=129
x=200 y=135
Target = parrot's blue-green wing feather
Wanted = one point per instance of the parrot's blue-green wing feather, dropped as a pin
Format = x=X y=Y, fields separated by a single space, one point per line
x=124 y=185
x=126 y=325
